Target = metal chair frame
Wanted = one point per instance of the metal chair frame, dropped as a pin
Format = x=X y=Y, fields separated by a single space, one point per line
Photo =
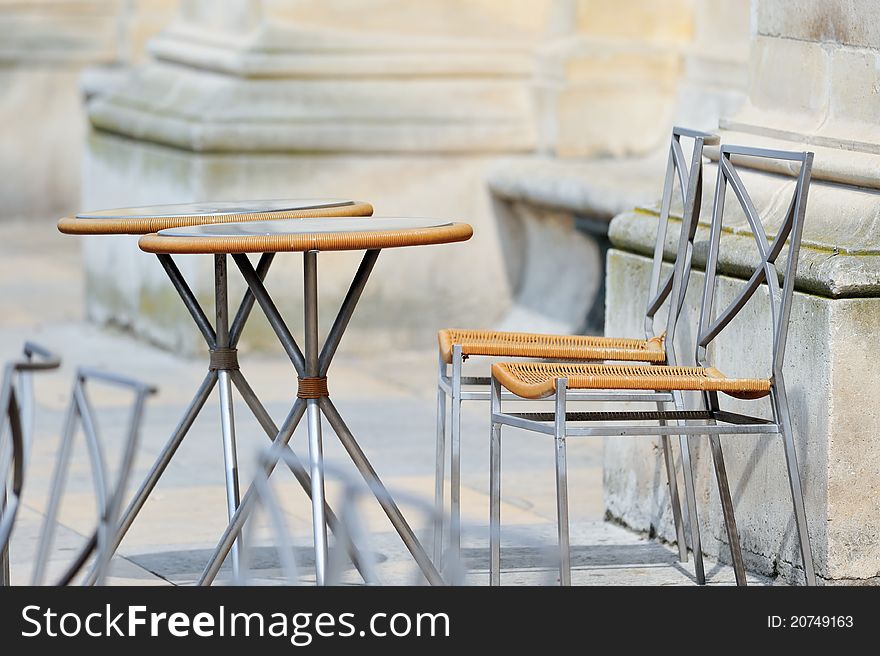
x=352 y=530
x=713 y=421
x=16 y=402
x=689 y=176
x=108 y=498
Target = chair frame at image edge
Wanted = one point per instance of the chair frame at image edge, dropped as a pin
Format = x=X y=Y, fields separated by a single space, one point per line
x=17 y=404
x=554 y=380
x=654 y=349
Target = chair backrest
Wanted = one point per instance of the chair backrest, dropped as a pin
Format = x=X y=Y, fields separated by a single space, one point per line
x=16 y=408
x=108 y=496
x=688 y=179
x=789 y=231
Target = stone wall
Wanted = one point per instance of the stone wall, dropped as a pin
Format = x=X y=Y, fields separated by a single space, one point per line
x=414 y=111
x=813 y=81
x=44 y=47
x=607 y=89
x=367 y=100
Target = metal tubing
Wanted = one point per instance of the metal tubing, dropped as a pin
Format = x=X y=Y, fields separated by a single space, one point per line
x=188 y=298
x=693 y=519
x=313 y=413
x=607 y=431
x=455 y=458
x=739 y=569
x=271 y=311
x=114 y=501
x=519 y=422
x=380 y=492
x=794 y=481
x=227 y=415
x=294 y=464
x=316 y=462
x=286 y=547
x=99 y=467
x=346 y=310
x=11 y=504
x=233 y=529
x=161 y=463
x=674 y=501
x=562 y=486
x=439 y=472
x=247 y=301
x=495 y=488
x=230 y=460
x=59 y=477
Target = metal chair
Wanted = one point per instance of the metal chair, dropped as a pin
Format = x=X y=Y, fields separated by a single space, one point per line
x=16 y=403
x=108 y=497
x=656 y=348
x=544 y=380
x=355 y=544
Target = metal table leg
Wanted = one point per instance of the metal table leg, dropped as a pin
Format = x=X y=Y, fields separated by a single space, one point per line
x=223 y=369
x=313 y=414
x=313 y=394
x=223 y=358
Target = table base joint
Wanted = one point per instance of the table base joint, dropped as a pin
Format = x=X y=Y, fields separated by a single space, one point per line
x=312 y=387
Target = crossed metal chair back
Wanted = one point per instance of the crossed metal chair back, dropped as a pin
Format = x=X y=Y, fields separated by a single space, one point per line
x=16 y=404
x=355 y=544
x=683 y=180
x=539 y=380
x=712 y=322
x=108 y=494
x=690 y=188
x=790 y=231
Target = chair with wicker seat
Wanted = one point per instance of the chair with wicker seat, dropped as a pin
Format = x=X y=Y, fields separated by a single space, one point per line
x=457 y=345
x=535 y=380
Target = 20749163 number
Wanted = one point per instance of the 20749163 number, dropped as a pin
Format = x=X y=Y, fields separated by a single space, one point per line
x=810 y=621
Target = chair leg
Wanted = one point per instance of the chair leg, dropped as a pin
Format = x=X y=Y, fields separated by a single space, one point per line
x=794 y=481
x=455 y=458
x=562 y=486
x=739 y=569
x=691 y=499
x=495 y=490
x=673 y=492
x=439 y=472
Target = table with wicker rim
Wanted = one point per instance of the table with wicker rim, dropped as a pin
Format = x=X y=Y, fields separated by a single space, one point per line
x=221 y=337
x=310 y=237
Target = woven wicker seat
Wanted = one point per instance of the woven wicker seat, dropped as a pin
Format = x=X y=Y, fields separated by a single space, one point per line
x=560 y=347
x=537 y=380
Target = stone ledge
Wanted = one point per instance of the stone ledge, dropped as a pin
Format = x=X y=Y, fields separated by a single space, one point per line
x=840 y=252
x=288 y=51
x=202 y=111
x=597 y=188
x=66 y=34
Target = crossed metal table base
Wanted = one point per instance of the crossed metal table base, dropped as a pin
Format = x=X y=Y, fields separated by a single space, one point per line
x=314 y=401
x=222 y=339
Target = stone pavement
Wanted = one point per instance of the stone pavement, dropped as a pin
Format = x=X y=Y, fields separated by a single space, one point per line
x=387 y=402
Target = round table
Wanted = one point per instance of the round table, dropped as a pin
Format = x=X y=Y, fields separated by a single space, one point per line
x=312 y=363
x=221 y=337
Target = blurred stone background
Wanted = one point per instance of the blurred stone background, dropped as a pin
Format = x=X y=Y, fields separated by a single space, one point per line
x=535 y=120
